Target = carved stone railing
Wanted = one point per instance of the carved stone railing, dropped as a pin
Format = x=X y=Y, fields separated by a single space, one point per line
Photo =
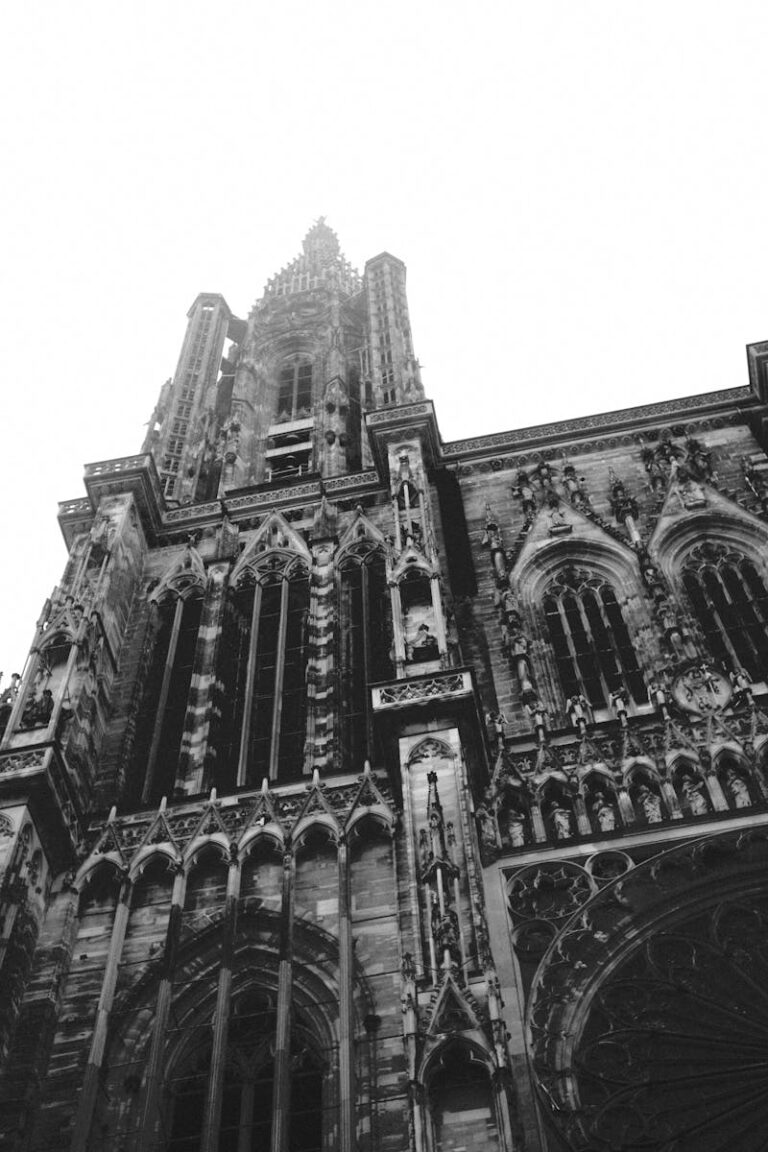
x=442 y=685
x=114 y=467
x=81 y=507
x=278 y=497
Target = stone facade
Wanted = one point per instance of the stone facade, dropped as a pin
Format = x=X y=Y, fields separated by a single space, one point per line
x=367 y=791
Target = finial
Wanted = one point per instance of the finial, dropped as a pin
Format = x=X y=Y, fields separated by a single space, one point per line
x=264 y=786
x=212 y=797
x=112 y=814
x=367 y=768
x=315 y=777
x=163 y=802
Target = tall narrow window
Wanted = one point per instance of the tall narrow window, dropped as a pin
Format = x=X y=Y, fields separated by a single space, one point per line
x=365 y=642
x=233 y=669
x=164 y=706
x=267 y=676
x=730 y=600
x=246 y=1099
x=590 y=640
x=294 y=398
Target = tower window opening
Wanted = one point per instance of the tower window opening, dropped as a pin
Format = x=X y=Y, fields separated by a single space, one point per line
x=294 y=397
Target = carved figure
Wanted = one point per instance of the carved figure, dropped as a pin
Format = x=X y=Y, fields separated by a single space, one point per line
x=693 y=791
x=36 y=712
x=691 y=492
x=577 y=709
x=487 y=827
x=650 y=804
x=561 y=821
x=498 y=724
x=738 y=789
x=605 y=813
x=424 y=647
x=525 y=493
x=514 y=827
x=425 y=852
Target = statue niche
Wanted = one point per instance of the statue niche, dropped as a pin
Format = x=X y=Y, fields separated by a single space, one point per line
x=418 y=619
x=47 y=683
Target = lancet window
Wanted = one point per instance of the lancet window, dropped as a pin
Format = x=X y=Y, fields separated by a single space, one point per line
x=264 y=666
x=365 y=646
x=590 y=639
x=294 y=397
x=248 y=1085
x=164 y=707
x=729 y=598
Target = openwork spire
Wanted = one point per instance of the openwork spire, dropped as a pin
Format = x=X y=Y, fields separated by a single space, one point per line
x=320 y=264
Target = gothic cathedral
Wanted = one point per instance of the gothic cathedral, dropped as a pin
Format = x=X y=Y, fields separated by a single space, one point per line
x=365 y=792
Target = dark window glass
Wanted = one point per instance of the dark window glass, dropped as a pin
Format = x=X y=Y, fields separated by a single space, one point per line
x=730 y=601
x=274 y=656
x=364 y=651
x=590 y=640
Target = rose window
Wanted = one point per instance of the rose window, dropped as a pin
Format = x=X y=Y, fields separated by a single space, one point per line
x=649 y=1015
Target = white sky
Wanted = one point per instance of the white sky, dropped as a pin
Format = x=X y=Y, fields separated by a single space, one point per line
x=578 y=188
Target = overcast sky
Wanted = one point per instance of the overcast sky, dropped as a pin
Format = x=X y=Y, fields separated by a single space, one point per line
x=578 y=189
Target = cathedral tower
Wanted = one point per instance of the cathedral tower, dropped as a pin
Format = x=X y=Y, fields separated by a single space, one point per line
x=364 y=791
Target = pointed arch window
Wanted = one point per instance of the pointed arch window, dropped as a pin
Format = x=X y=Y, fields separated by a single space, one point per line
x=590 y=639
x=294 y=394
x=247 y=1091
x=164 y=706
x=730 y=600
x=365 y=645
x=265 y=671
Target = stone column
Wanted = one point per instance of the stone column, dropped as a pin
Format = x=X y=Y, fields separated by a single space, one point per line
x=281 y=1097
x=150 y=1117
x=162 y=701
x=87 y=1101
x=212 y=1121
x=197 y=721
x=346 y=1008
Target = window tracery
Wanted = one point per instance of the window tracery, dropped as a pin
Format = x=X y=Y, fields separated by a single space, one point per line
x=294 y=396
x=730 y=601
x=247 y=1094
x=264 y=667
x=164 y=707
x=592 y=646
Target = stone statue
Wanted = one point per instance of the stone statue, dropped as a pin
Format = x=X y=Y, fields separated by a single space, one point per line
x=561 y=821
x=650 y=804
x=36 y=712
x=487 y=827
x=514 y=827
x=693 y=791
x=738 y=789
x=605 y=813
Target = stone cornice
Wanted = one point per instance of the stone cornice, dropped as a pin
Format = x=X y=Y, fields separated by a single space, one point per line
x=111 y=476
x=665 y=412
